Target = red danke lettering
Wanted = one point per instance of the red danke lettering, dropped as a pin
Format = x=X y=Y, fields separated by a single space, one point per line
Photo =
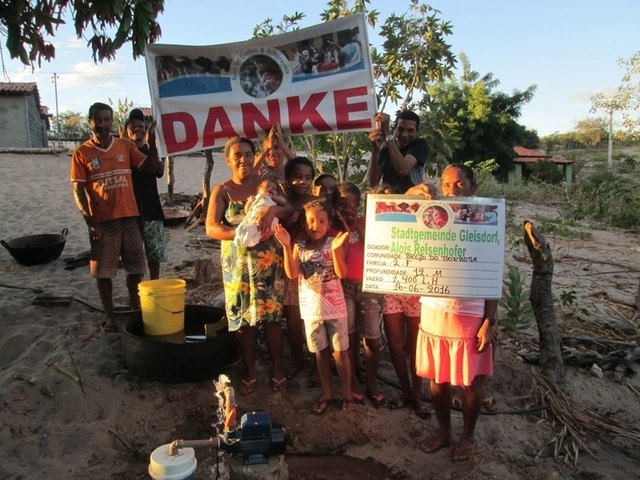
x=218 y=125
x=168 y=129
x=251 y=116
x=344 y=108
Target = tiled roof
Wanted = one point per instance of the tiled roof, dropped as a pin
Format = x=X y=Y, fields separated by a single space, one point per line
x=527 y=155
x=527 y=152
x=19 y=88
x=147 y=112
x=9 y=87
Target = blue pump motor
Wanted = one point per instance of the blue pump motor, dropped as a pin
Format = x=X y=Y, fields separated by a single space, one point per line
x=255 y=439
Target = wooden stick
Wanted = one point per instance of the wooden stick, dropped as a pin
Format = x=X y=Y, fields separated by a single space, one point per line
x=73 y=377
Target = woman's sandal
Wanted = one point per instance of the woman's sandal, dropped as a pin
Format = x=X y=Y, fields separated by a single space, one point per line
x=247 y=386
x=378 y=400
x=322 y=405
x=357 y=397
x=278 y=385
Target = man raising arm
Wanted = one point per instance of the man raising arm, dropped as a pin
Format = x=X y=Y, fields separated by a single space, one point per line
x=398 y=158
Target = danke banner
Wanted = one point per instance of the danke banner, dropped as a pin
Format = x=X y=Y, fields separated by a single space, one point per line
x=311 y=81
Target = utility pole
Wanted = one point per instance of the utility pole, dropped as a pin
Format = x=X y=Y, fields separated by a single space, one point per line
x=55 y=88
x=610 y=150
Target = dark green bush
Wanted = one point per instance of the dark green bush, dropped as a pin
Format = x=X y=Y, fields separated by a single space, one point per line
x=545 y=171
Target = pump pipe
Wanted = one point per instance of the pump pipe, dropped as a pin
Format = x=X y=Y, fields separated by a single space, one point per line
x=178 y=444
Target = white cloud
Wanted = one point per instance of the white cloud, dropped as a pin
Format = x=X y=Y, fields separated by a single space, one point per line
x=585 y=96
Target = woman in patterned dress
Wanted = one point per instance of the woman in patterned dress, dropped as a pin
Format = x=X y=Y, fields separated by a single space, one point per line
x=253 y=277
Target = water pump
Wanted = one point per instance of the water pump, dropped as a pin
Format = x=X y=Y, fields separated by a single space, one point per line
x=255 y=439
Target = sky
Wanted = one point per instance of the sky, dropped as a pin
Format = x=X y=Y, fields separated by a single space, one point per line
x=569 y=49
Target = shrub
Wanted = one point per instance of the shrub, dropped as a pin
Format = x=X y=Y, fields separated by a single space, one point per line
x=545 y=171
x=608 y=197
x=518 y=313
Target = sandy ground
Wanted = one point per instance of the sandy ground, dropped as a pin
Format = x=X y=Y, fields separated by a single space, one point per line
x=51 y=427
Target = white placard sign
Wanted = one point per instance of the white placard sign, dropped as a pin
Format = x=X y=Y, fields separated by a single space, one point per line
x=450 y=247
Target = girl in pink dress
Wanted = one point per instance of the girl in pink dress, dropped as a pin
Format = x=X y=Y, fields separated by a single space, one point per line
x=454 y=344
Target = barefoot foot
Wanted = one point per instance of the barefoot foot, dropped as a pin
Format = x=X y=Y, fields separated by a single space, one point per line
x=464 y=450
x=435 y=443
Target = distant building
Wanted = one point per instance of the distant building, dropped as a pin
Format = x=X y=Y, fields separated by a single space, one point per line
x=147 y=112
x=24 y=122
x=527 y=156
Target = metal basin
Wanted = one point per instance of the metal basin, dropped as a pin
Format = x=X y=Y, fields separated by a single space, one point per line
x=36 y=249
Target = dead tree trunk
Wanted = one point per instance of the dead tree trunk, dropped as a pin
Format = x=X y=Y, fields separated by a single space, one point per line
x=208 y=170
x=637 y=302
x=541 y=298
x=198 y=215
x=171 y=180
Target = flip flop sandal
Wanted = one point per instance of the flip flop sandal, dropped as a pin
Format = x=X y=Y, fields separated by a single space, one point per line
x=357 y=397
x=322 y=405
x=378 y=400
x=247 y=386
x=278 y=385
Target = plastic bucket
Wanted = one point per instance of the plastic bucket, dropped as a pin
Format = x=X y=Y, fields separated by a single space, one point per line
x=162 y=305
x=181 y=466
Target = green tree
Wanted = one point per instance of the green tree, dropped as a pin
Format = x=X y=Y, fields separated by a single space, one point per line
x=73 y=126
x=120 y=112
x=591 y=132
x=287 y=24
x=467 y=119
x=414 y=54
x=26 y=25
x=626 y=99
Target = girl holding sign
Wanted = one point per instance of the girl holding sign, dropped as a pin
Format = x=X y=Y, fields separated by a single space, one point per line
x=454 y=344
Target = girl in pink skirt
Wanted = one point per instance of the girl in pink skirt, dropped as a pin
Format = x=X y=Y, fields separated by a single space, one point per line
x=454 y=342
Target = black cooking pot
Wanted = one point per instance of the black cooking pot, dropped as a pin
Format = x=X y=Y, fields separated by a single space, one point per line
x=36 y=249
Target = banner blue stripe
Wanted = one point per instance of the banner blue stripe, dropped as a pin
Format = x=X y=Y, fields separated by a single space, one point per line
x=194 y=86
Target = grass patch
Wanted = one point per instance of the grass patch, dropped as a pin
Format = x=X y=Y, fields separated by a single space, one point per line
x=608 y=197
x=561 y=227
